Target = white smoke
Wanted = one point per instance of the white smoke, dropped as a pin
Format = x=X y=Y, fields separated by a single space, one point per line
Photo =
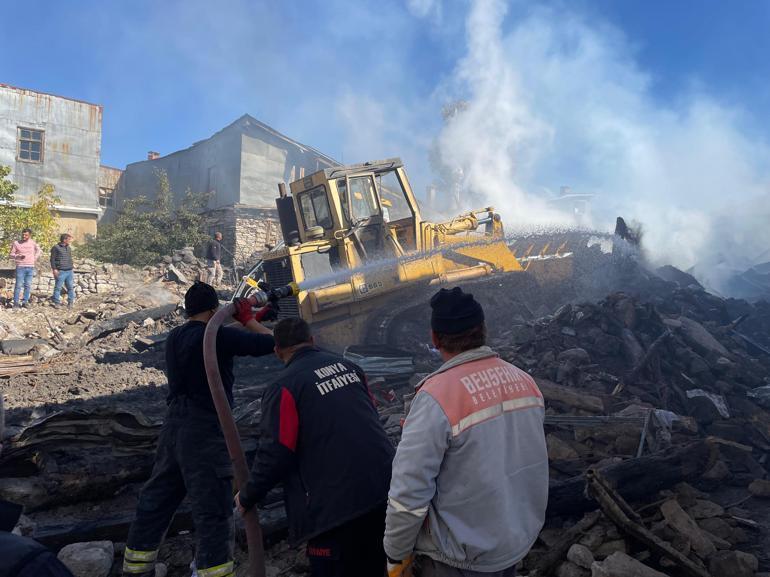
x=560 y=100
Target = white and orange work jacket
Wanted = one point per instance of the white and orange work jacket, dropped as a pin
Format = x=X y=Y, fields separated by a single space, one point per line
x=470 y=476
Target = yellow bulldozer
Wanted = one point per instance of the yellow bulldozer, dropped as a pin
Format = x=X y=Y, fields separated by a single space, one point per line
x=356 y=245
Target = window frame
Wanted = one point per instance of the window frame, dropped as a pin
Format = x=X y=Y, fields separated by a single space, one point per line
x=401 y=195
x=377 y=201
x=19 y=139
x=321 y=188
x=110 y=197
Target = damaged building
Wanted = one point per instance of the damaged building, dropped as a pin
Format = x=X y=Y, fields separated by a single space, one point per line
x=49 y=139
x=240 y=167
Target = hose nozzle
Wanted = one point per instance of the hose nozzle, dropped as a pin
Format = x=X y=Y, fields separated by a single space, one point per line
x=289 y=290
x=266 y=294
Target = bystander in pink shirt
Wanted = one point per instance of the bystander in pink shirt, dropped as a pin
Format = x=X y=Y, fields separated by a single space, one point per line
x=27 y=249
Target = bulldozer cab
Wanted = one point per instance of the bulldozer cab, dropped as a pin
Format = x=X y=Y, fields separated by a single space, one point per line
x=362 y=213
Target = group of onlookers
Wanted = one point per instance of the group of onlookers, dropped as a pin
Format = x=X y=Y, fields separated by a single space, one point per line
x=25 y=252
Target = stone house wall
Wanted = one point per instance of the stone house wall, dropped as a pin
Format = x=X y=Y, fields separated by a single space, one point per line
x=90 y=278
x=245 y=231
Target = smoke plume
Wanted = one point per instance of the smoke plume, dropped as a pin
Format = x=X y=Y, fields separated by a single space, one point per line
x=557 y=100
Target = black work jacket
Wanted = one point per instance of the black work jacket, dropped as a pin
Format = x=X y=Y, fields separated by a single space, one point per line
x=322 y=437
x=186 y=371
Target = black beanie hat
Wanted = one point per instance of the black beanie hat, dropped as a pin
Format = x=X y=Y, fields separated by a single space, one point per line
x=200 y=297
x=454 y=312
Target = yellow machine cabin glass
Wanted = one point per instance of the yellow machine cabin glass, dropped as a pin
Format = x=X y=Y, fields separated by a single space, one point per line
x=363 y=198
x=314 y=206
x=394 y=203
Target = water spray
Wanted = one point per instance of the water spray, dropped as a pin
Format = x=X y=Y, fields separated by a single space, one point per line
x=258 y=298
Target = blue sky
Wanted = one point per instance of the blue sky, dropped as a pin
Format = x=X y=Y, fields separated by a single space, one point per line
x=658 y=108
x=146 y=62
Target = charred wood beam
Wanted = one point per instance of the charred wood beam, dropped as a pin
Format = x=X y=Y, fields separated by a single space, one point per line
x=571 y=397
x=103 y=328
x=651 y=351
x=620 y=513
x=633 y=478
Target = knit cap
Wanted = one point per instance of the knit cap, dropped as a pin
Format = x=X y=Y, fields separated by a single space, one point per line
x=200 y=297
x=454 y=312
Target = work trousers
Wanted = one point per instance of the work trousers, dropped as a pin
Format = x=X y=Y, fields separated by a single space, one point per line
x=66 y=278
x=24 y=276
x=215 y=272
x=427 y=567
x=192 y=461
x=350 y=550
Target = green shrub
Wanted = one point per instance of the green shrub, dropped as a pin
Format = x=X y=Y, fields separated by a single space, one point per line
x=41 y=217
x=145 y=229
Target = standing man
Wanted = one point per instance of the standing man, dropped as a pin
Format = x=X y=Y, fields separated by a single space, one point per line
x=322 y=438
x=470 y=477
x=61 y=265
x=192 y=457
x=213 y=259
x=25 y=252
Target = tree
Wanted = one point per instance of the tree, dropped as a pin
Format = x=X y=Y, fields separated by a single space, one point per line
x=145 y=229
x=41 y=217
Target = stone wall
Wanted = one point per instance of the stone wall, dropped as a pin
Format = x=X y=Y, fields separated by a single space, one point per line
x=245 y=231
x=90 y=278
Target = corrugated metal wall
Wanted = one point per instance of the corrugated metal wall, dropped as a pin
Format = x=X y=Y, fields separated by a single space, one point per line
x=72 y=145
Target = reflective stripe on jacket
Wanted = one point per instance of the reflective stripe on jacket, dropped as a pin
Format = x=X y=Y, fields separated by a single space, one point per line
x=470 y=476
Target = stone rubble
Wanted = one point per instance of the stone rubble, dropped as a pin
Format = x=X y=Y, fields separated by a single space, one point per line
x=676 y=358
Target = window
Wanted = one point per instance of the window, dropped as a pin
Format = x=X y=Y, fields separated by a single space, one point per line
x=106 y=196
x=394 y=203
x=363 y=199
x=315 y=208
x=30 y=145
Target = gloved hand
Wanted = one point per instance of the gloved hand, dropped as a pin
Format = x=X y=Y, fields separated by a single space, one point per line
x=267 y=313
x=243 y=312
x=403 y=569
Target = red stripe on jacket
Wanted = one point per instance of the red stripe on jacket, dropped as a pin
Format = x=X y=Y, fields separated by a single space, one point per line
x=288 y=423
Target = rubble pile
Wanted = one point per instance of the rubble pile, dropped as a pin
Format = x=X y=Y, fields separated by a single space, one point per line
x=663 y=390
x=183 y=267
x=88 y=353
x=657 y=423
x=691 y=364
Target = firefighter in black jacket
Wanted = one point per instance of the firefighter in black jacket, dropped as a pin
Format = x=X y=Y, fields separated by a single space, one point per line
x=192 y=457
x=322 y=438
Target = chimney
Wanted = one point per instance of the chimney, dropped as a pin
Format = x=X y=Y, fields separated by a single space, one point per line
x=152 y=155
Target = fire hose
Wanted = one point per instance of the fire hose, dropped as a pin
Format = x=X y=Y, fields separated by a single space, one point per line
x=258 y=298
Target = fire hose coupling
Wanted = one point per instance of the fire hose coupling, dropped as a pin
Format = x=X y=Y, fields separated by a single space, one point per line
x=267 y=294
